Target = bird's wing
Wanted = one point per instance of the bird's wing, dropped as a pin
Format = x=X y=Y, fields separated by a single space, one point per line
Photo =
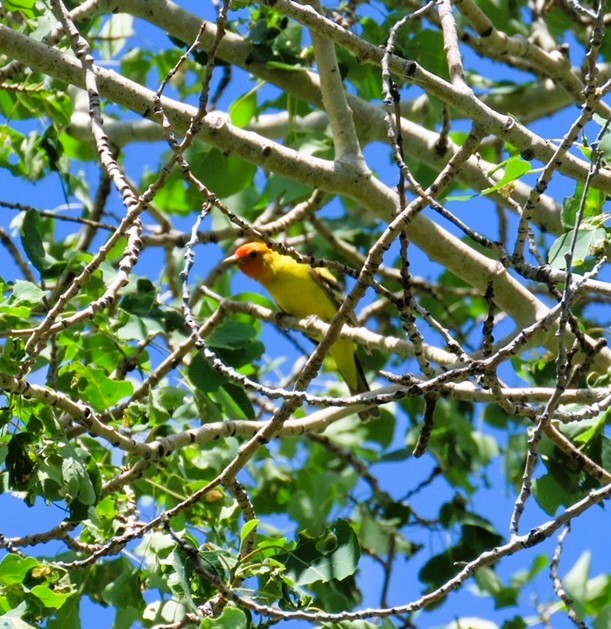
x=332 y=288
x=334 y=291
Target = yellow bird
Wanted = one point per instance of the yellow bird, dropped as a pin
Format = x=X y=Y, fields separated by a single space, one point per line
x=301 y=291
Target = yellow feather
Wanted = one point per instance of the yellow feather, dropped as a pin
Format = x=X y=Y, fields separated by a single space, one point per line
x=302 y=291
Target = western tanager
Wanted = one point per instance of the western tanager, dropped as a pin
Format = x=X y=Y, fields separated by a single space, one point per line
x=301 y=291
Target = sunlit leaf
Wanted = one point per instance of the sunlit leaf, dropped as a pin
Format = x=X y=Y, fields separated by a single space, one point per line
x=309 y=563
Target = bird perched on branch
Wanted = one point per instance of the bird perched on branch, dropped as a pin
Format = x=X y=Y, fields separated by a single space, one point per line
x=302 y=291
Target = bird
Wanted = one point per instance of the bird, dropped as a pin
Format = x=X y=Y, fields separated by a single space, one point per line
x=302 y=291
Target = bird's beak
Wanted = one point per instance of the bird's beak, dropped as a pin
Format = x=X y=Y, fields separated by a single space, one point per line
x=231 y=260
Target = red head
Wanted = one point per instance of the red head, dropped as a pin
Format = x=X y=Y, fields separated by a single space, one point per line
x=254 y=259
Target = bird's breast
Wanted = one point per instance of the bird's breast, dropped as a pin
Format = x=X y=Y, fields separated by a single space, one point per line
x=300 y=296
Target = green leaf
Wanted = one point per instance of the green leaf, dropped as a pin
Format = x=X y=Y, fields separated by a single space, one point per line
x=396 y=456
x=96 y=387
x=236 y=403
x=232 y=334
x=603 y=618
x=605 y=452
x=247 y=355
x=489 y=581
x=576 y=580
x=18 y=462
x=590 y=242
x=221 y=174
x=103 y=351
x=175 y=198
x=522 y=577
x=142 y=301
x=517 y=622
x=311 y=562
x=592 y=205
x=604 y=148
x=473 y=541
x=285 y=190
x=26 y=7
x=244 y=109
x=12 y=317
x=248 y=528
x=50 y=597
x=135 y=328
x=11 y=141
x=231 y=618
x=115 y=32
x=76 y=477
x=337 y=596
x=76 y=149
x=14 y=569
x=27 y=293
x=425 y=45
x=168 y=398
x=375 y=535
x=587 y=430
x=114 y=582
x=32 y=242
x=203 y=376
x=515 y=167
x=551 y=494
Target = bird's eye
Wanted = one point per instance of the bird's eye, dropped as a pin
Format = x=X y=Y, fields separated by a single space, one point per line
x=253 y=254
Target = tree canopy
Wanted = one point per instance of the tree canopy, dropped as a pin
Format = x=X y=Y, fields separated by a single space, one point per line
x=187 y=455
